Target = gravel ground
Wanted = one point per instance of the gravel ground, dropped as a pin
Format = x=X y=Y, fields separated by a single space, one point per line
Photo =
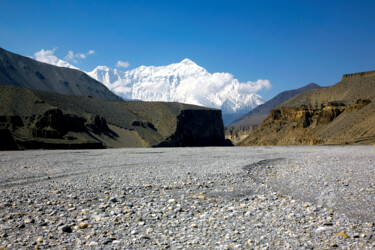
x=192 y=198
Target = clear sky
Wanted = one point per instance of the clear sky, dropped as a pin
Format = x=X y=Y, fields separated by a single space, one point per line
x=291 y=43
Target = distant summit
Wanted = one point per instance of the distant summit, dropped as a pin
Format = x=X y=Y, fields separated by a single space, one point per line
x=184 y=82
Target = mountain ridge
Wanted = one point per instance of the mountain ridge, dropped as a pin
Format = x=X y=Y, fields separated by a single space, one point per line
x=184 y=82
x=26 y=72
x=343 y=113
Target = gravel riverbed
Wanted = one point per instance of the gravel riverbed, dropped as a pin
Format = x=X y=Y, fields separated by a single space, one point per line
x=189 y=198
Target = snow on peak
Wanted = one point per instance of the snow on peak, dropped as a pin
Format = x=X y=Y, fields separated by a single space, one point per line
x=184 y=82
x=187 y=61
x=47 y=56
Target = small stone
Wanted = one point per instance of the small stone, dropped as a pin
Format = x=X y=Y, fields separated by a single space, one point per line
x=28 y=221
x=171 y=201
x=39 y=239
x=306 y=205
x=36 y=247
x=93 y=243
x=113 y=199
x=194 y=225
x=55 y=191
x=149 y=230
x=145 y=237
x=212 y=200
x=327 y=223
x=201 y=197
x=134 y=232
x=83 y=225
x=84 y=211
x=333 y=245
x=322 y=229
x=43 y=224
x=342 y=234
x=66 y=228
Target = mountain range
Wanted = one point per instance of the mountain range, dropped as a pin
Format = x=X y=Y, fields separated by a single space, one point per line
x=184 y=82
x=45 y=106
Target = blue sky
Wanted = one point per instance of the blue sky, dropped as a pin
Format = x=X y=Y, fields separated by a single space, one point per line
x=291 y=43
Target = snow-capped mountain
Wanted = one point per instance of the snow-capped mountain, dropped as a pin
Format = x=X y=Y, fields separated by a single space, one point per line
x=47 y=56
x=184 y=82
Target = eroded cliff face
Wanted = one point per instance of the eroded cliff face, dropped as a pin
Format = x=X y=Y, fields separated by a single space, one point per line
x=37 y=119
x=343 y=113
x=237 y=133
x=197 y=128
x=306 y=125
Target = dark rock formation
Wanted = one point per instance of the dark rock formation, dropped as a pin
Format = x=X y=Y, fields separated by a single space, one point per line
x=10 y=122
x=7 y=142
x=53 y=120
x=54 y=124
x=193 y=129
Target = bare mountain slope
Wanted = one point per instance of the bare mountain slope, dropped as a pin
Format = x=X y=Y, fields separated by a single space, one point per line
x=341 y=114
x=38 y=119
x=254 y=117
x=242 y=127
x=25 y=72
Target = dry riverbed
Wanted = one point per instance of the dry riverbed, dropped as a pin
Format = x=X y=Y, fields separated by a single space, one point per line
x=224 y=198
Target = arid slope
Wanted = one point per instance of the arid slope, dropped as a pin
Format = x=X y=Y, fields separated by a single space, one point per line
x=38 y=119
x=341 y=114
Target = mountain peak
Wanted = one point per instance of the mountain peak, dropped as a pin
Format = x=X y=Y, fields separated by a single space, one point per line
x=187 y=61
x=102 y=68
x=184 y=82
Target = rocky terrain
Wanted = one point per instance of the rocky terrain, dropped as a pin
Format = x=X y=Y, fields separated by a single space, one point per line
x=341 y=114
x=242 y=127
x=25 y=72
x=224 y=198
x=38 y=119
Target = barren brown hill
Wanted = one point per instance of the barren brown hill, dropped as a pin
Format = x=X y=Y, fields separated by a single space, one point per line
x=38 y=119
x=341 y=114
x=243 y=127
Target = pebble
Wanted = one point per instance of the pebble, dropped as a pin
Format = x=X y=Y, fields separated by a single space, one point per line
x=184 y=198
x=83 y=225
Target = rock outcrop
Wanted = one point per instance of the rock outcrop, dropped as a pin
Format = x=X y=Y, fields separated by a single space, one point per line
x=243 y=127
x=38 y=119
x=341 y=114
x=190 y=132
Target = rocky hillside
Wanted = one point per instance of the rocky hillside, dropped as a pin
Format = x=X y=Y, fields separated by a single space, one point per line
x=242 y=127
x=38 y=119
x=341 y=114
x=25 y=72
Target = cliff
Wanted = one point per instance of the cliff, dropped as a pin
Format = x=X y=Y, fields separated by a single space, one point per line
x=341 y=114
x=242 y=127
x=38 y=119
